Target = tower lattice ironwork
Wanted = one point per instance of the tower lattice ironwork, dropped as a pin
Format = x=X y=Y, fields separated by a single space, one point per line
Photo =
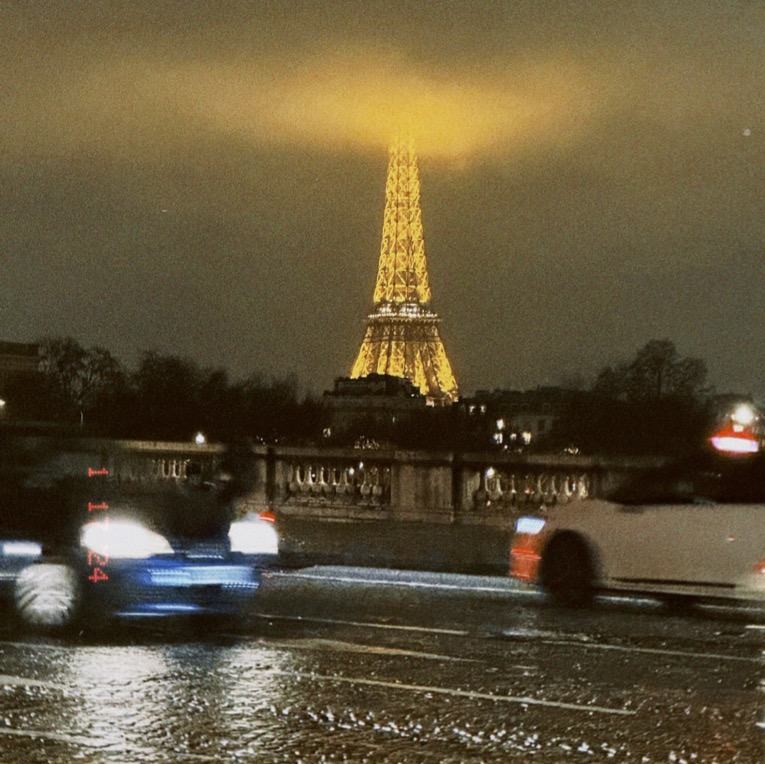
x=402 y=337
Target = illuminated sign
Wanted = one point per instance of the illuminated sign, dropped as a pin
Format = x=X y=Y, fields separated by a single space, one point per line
x=97 y=562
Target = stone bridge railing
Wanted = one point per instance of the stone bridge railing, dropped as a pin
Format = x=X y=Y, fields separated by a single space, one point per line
x=435 y=511
x=489 y=488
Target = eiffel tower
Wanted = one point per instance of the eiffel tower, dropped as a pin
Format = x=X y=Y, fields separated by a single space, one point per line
x=401 y=337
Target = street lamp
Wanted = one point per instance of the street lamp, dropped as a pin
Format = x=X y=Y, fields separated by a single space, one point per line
x=744 y=415
x=200 y=439
x=739 y=436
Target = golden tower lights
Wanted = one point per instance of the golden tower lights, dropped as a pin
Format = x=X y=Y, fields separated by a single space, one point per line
x=401 y=337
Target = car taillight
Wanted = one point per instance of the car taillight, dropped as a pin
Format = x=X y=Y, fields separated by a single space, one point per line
x=269 y=517
x=525 y=548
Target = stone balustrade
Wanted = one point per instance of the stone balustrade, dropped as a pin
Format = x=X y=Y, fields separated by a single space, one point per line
x=436 y=510
x=363 y=483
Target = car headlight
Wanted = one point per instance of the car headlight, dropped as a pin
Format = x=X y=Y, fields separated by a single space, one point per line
x=21 y=549
x=253 y=537
x=125 y=539
x=529 y=525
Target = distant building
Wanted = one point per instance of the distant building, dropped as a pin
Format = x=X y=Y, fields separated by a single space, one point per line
x=369 y=406
x=515 y=418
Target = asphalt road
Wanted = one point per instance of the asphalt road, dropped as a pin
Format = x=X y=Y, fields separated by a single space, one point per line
x=353 y=665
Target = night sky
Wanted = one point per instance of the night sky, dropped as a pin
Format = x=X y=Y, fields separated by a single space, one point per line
x=207 y=179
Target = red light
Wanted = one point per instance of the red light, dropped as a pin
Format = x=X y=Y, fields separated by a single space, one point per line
x=98 y=575
x=269 y=517
x=525 y=557
x=96 y=561
x=735 y=442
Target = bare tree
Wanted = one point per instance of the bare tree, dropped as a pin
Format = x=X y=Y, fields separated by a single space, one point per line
x=77 y=376
x=657 y=372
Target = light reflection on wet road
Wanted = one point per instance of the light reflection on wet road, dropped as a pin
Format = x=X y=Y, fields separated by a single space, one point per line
x=376 y=666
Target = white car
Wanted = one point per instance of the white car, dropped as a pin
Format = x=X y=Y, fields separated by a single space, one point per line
x=688 y=530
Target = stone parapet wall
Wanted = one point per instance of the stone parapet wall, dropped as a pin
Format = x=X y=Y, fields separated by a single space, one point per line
x=365 y=484
x=434 y=510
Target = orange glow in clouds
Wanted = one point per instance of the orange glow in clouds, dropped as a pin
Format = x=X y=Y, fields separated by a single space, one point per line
x=116 y=103
x=367 y=100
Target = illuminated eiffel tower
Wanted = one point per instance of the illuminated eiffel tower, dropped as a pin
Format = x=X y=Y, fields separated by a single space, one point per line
x=401 y=337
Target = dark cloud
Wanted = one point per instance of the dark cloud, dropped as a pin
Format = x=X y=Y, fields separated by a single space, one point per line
x=208 y=179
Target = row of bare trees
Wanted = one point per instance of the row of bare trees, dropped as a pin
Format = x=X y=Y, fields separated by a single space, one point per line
x=657 y=402
x=165 y=397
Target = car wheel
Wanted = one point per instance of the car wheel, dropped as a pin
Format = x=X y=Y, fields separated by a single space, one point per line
x=47 y=596
x=567 y=572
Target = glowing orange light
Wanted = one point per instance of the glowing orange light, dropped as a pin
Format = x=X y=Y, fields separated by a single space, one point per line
x=525 y=551
x=402 y=337
x=524 y=559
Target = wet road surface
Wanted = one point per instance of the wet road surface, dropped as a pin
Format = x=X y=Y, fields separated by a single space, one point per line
x=348 y=665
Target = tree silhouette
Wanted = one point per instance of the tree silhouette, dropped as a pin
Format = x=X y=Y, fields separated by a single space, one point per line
x=657 y=371
x=657 y=403
x=70 y=386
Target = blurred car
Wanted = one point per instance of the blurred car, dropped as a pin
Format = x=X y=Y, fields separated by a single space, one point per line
x=691 y=529
x=127 y=569
x=80 y=550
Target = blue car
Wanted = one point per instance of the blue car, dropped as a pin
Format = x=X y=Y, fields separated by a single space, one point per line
x=79 y=546
x=82 y=543
x=124 y=568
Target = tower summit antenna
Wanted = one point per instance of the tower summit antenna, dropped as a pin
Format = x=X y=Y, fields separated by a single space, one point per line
x=401 y=337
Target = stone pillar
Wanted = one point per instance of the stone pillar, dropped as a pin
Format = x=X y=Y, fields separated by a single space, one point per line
x=421 y=487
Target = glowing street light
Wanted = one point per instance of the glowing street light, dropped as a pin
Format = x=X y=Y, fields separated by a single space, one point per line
x=744 y=415
x=200 y=439
x=738 y=436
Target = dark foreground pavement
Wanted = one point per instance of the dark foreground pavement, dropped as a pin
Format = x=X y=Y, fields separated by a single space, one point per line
x=369 y=665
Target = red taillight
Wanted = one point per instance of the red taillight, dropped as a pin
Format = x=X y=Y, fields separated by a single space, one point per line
x=760 y=567
x=524 y=558
x=735 y=440
x=269 y=517
x=525 y=548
